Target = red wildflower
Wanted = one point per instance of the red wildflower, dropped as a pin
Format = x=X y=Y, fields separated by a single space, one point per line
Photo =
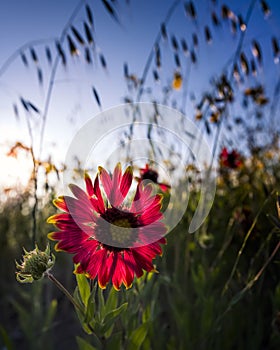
x=110 y=240
x=230 y=159
x=149 y=174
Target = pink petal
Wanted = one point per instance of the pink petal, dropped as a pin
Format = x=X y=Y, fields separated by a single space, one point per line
x=117 y=175
x=143 y=259
x=133 y=264
x=78 y=192
x=103 y=276
x=89 y=186
x=95 y=263
x=106 y=181
x=119 y=273
x=164 y=187
x=126 y=181
x=100 y=203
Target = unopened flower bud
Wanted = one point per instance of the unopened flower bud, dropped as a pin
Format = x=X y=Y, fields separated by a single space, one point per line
x=34 y=264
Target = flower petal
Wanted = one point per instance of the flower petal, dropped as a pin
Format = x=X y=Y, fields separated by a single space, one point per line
x=126 y=181
x=78 y=192
x=89 y=186
x=106 y=181
x=60 y=203
x=95 y=263
x=119 y=275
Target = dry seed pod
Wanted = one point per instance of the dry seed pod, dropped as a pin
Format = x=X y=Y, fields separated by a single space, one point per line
x=244 y=63
x=253 y=68
x=111 y=10
x=15 y=108
x=225 y=12
x=276 y=51
x=163 y=31
x=184 y=46
x=174 y=43
x=177 y=60
x=233 y=26
x=61 y=53
x=156 y=76
x=103 y=61
x=208 y=36
x=242 y=24
x=72 y=47
x=77 y=35
x=193 y=57
x=89 y=15
x=24 y=59
x=256 y=50
x=158 y=57
x=33 y=107
x=88 y=33
x=49 y=55
x=215 y=19
x=236 y=73
x=195 y=40
x=88 y=56
x=40 y=75
x=33 y=55
x=125 y=70
x=190 y=9
x=265 y=8
x=96 y=96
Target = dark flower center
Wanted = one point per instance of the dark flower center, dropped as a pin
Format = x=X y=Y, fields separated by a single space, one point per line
x=150 y=175
x=232 y=160
x=117 y=229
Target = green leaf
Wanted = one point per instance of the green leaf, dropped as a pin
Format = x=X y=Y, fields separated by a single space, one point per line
x=81 y=316
x=101 y=304
x=84 y=345
x=138 y=336
x=84 y=288
x=274 y=220
x=112 y=315
x=90 y=309
x=6 y=339
x=50 y=313
x=146 y=314
x=115 y=341
x=24 y=319
x=112 y=300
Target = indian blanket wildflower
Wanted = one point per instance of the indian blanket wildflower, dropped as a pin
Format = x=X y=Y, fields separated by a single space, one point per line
x=148 y=173
x=231 y=159
x=110 y=240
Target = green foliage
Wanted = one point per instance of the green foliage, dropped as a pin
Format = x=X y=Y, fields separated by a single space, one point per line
x=84 y=345
x=100 y=313
x=35 y=321
x=7 y=342
x=205 y=282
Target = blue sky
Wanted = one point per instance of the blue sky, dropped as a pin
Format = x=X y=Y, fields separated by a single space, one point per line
x=72 y=101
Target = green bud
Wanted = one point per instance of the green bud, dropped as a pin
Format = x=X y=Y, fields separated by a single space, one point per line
x=34 y=264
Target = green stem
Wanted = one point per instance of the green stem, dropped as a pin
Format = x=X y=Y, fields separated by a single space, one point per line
x=249 y=285
x=244 y=243
x=69 y=296
x=64 y=291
